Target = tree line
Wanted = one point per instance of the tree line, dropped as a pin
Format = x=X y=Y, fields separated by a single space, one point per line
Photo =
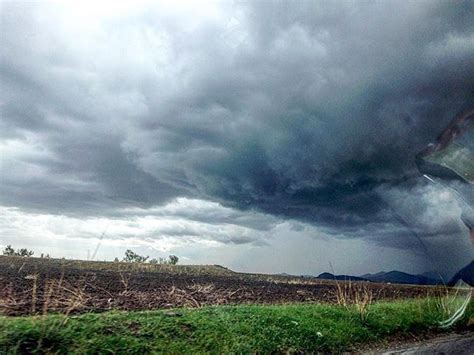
x=130 y=256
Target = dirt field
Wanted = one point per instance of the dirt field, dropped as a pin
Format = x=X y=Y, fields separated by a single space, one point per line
x=39 y=286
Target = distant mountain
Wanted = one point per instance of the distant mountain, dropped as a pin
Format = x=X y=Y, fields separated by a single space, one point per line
x=466 y=274
x=329 y=276
x=398 y=277
x=367 y=276
x=395 y=277
x=291 y=275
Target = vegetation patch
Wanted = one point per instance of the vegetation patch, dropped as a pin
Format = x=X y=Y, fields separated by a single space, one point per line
x=217 y=329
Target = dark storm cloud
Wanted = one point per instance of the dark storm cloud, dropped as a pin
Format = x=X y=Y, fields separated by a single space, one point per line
x=308 y=110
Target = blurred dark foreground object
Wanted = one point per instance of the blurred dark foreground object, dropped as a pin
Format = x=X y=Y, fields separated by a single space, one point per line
x=450 y=161
x=451 y=156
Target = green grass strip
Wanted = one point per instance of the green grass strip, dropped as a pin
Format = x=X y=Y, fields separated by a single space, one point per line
x=221 y=329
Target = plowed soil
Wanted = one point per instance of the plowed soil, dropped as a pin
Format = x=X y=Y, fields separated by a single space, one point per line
x=40 y=286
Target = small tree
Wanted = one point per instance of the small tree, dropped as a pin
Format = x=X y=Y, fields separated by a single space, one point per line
x=132 y=257
x=9 y=251
x=24 y=252
x=173 y=259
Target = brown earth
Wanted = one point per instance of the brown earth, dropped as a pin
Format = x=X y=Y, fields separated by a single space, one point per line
x=39 y=286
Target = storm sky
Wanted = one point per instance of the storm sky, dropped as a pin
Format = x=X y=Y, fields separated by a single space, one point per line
x=263 y=136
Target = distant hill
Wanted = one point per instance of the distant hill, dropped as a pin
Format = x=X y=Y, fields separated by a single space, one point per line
x=396 y=277
x=466 y=274
x=284 y=274
x=329 y=276
x=367 y=276
x=400 y=277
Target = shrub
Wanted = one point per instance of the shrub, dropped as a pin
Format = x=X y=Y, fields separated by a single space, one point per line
x=173 y=259
x=132 y=257
x=9 y=251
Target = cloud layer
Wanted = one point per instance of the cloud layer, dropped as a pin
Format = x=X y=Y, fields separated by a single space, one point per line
x=309 y=111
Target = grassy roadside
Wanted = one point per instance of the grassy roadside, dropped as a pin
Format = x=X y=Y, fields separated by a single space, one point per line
x=249 y=328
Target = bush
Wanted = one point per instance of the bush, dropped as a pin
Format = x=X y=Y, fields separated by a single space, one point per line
x=9 y=251
x=173 y=259
x=132 y=257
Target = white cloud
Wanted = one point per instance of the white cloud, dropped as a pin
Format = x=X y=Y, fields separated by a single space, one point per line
x=179 y=224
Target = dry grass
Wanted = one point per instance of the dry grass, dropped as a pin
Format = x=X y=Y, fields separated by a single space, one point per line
x=58 y=296
x=360 y=295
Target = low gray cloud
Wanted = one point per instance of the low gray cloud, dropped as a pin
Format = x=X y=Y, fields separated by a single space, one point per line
x=308 y=111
